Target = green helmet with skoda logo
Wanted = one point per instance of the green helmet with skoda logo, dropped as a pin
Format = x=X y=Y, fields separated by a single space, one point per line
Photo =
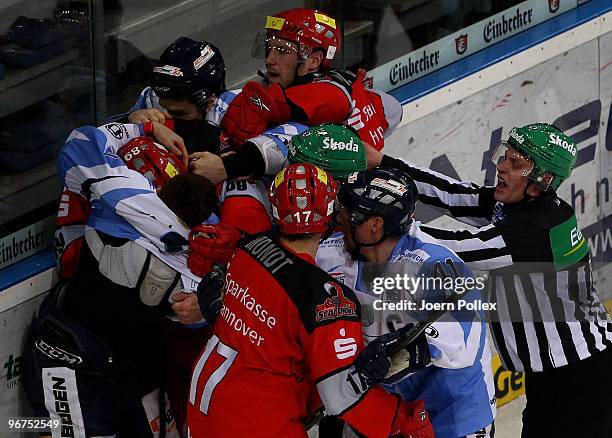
x=549 y=148
x=332 y=147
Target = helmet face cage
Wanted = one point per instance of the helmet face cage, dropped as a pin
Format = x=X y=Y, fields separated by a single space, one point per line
x=189 y=69
x=264 y=43
x=552 y=152
x=151 y=160
x=523 y=163
x=308 y=28
x=302 y=198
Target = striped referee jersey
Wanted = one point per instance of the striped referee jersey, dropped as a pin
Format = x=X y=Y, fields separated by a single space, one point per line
x=547 y=311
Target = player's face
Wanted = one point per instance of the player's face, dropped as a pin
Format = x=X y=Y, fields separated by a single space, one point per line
x=342 y=218
x=281 y=61
x=182 y=109
x=362 y=233
x=512 y=180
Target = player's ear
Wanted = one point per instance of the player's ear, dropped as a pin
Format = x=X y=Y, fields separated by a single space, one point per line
x=314 y=61
x=376 y=224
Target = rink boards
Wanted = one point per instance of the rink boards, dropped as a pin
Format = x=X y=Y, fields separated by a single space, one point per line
x=566 y=79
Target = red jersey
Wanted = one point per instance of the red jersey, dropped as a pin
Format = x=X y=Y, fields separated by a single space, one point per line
x=72 y=215
x=244 y=205
x=286 y=328
x=327 y=97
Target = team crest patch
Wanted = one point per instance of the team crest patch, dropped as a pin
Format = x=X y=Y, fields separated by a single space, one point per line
x=367 y=315
x=461 y=44
x=553 y=5
x=336 y=305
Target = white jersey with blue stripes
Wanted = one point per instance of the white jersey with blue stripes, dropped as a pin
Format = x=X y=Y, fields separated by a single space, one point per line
x=124 y=203
x=458 y=386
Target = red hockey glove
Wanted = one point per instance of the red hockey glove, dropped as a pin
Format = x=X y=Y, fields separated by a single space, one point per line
x=412 y=421
x=210 y=244
x=254 y=110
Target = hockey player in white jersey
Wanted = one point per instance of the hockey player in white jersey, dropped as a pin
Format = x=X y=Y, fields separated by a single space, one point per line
x=449 y=366
x=89 y=161
x=188 y=94
x=97 y=338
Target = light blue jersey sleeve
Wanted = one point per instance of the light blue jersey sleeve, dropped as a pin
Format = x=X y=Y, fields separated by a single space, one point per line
x=124 y=203
x=147 y=99
x=274 y=143
x=456 y=339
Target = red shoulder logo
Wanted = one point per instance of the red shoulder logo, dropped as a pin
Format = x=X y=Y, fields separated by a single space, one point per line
x=336 y=305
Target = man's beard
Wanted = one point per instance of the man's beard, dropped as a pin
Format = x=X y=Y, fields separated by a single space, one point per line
x=353 y=248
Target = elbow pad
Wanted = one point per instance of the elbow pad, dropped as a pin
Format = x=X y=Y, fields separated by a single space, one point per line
x=275 y=160
x=132 y=266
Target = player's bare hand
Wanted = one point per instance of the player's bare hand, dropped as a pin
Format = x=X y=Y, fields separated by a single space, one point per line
x=171 y=140
x=148 y=115
x=373 y=156
x=187 y=308
x=208 y=165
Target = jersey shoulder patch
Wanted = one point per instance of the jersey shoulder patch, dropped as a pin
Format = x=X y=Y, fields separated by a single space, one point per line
x=319 y=298
x=567 y=244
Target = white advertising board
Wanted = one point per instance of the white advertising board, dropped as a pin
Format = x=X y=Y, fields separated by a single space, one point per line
x=14 y=323
x=466 y=41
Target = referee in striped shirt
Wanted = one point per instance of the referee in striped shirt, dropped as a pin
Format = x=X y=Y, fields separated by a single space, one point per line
x=549 y=322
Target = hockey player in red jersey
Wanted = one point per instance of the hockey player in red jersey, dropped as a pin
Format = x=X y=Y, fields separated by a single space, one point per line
x=299 y=46
x=287 y=328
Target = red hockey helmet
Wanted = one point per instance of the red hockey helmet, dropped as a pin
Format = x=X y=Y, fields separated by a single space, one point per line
x=302 y=197
x=309 y=28
x=145 y=156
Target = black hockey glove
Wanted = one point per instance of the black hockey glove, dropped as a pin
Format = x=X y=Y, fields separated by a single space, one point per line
x=377 y=363
x=210 y=294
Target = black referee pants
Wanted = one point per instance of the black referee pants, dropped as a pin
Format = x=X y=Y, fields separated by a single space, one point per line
x=574 y=401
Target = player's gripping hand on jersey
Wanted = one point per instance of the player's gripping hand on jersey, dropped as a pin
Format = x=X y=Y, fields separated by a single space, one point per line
x=379 y=364
x=412 y=421
x=205 y=304
x=255 y=109
x=210 y=244
x=149 y=115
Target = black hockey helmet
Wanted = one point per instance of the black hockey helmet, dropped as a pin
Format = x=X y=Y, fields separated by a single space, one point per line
x=385 y=192
x=189 y=69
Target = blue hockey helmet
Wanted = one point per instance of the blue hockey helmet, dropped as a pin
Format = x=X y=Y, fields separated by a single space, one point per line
x=385 y=192
x=189 y=69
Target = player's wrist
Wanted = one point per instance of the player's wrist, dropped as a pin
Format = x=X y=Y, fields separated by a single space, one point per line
x=148 y=128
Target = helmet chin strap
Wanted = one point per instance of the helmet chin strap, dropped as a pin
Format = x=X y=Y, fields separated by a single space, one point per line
x=526 y=196
x=356 y=252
